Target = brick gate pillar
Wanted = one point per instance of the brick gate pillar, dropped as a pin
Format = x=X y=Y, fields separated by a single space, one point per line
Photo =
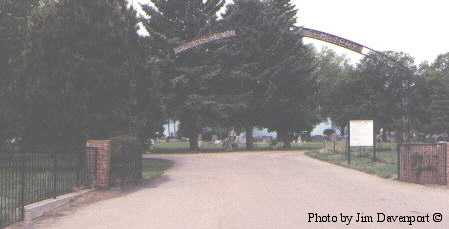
x=103 y=173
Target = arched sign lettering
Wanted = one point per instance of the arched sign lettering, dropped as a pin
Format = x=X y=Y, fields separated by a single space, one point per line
x=336 y=40
x=306 y=32
x=204 y=40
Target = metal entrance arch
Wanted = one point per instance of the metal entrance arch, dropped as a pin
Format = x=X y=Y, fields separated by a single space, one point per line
x=317 y=35
x=328 y=38
x=305 y=32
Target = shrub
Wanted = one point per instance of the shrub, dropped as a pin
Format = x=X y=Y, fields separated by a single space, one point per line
x=126 y=160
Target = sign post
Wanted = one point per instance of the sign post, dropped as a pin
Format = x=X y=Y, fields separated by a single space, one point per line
x=349 y=143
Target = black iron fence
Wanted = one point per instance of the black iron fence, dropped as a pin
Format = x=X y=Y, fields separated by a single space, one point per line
x=27 y=178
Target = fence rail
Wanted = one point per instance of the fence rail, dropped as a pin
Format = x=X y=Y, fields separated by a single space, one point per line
x=27 y=178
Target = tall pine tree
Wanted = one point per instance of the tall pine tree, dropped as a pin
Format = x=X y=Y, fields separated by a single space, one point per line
x=286 y=10
x=273 y=66
x=77 y=73
x=187 y=76
x=14 y=36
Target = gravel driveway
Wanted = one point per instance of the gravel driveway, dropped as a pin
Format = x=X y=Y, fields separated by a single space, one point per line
x=267 y=190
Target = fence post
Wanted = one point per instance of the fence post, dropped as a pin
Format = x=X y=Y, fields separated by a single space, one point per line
x=55 y=161
x=78 y=170
x=334 y=146
x=96 y=168
x=349 y=143
x=374 y=153
x=374 y=145
x=398 y=150
x=22 y=188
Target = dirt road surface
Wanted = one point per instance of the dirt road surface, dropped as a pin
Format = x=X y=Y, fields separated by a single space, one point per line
x=267 y=190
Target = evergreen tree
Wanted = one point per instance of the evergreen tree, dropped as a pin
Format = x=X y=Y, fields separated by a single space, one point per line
x=273 y=66
x=287 y=11
x=241 y=82
x=186 y=78
x=78 y=71
x=14 y=28
x=291 y=102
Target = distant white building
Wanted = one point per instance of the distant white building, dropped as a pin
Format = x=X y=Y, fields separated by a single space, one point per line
x=171 y=128
x=259 y=133
x=320 y=128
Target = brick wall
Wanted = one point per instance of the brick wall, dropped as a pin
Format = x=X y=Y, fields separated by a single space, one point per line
x=103 y=164
x=424 y=164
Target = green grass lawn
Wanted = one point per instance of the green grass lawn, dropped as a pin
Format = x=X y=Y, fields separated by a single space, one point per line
x=154 y=168
x=183 y=147
x=385 y=166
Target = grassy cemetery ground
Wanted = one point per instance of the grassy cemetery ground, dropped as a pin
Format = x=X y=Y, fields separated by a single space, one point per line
x=183 y=147
x=385 y=166
x=154 y=168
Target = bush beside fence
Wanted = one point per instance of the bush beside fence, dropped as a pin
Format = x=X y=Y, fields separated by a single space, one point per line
x=126 y=160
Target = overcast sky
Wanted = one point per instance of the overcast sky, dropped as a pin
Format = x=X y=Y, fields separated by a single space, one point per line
x=416 y=27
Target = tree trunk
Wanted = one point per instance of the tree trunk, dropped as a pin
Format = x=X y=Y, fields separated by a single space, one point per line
x=283 y=134
x=249 y=138
x=384 y=135
x=193 y=140
x=399 y=136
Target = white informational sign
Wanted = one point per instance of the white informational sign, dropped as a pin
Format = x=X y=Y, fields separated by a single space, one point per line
x=361 y=133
